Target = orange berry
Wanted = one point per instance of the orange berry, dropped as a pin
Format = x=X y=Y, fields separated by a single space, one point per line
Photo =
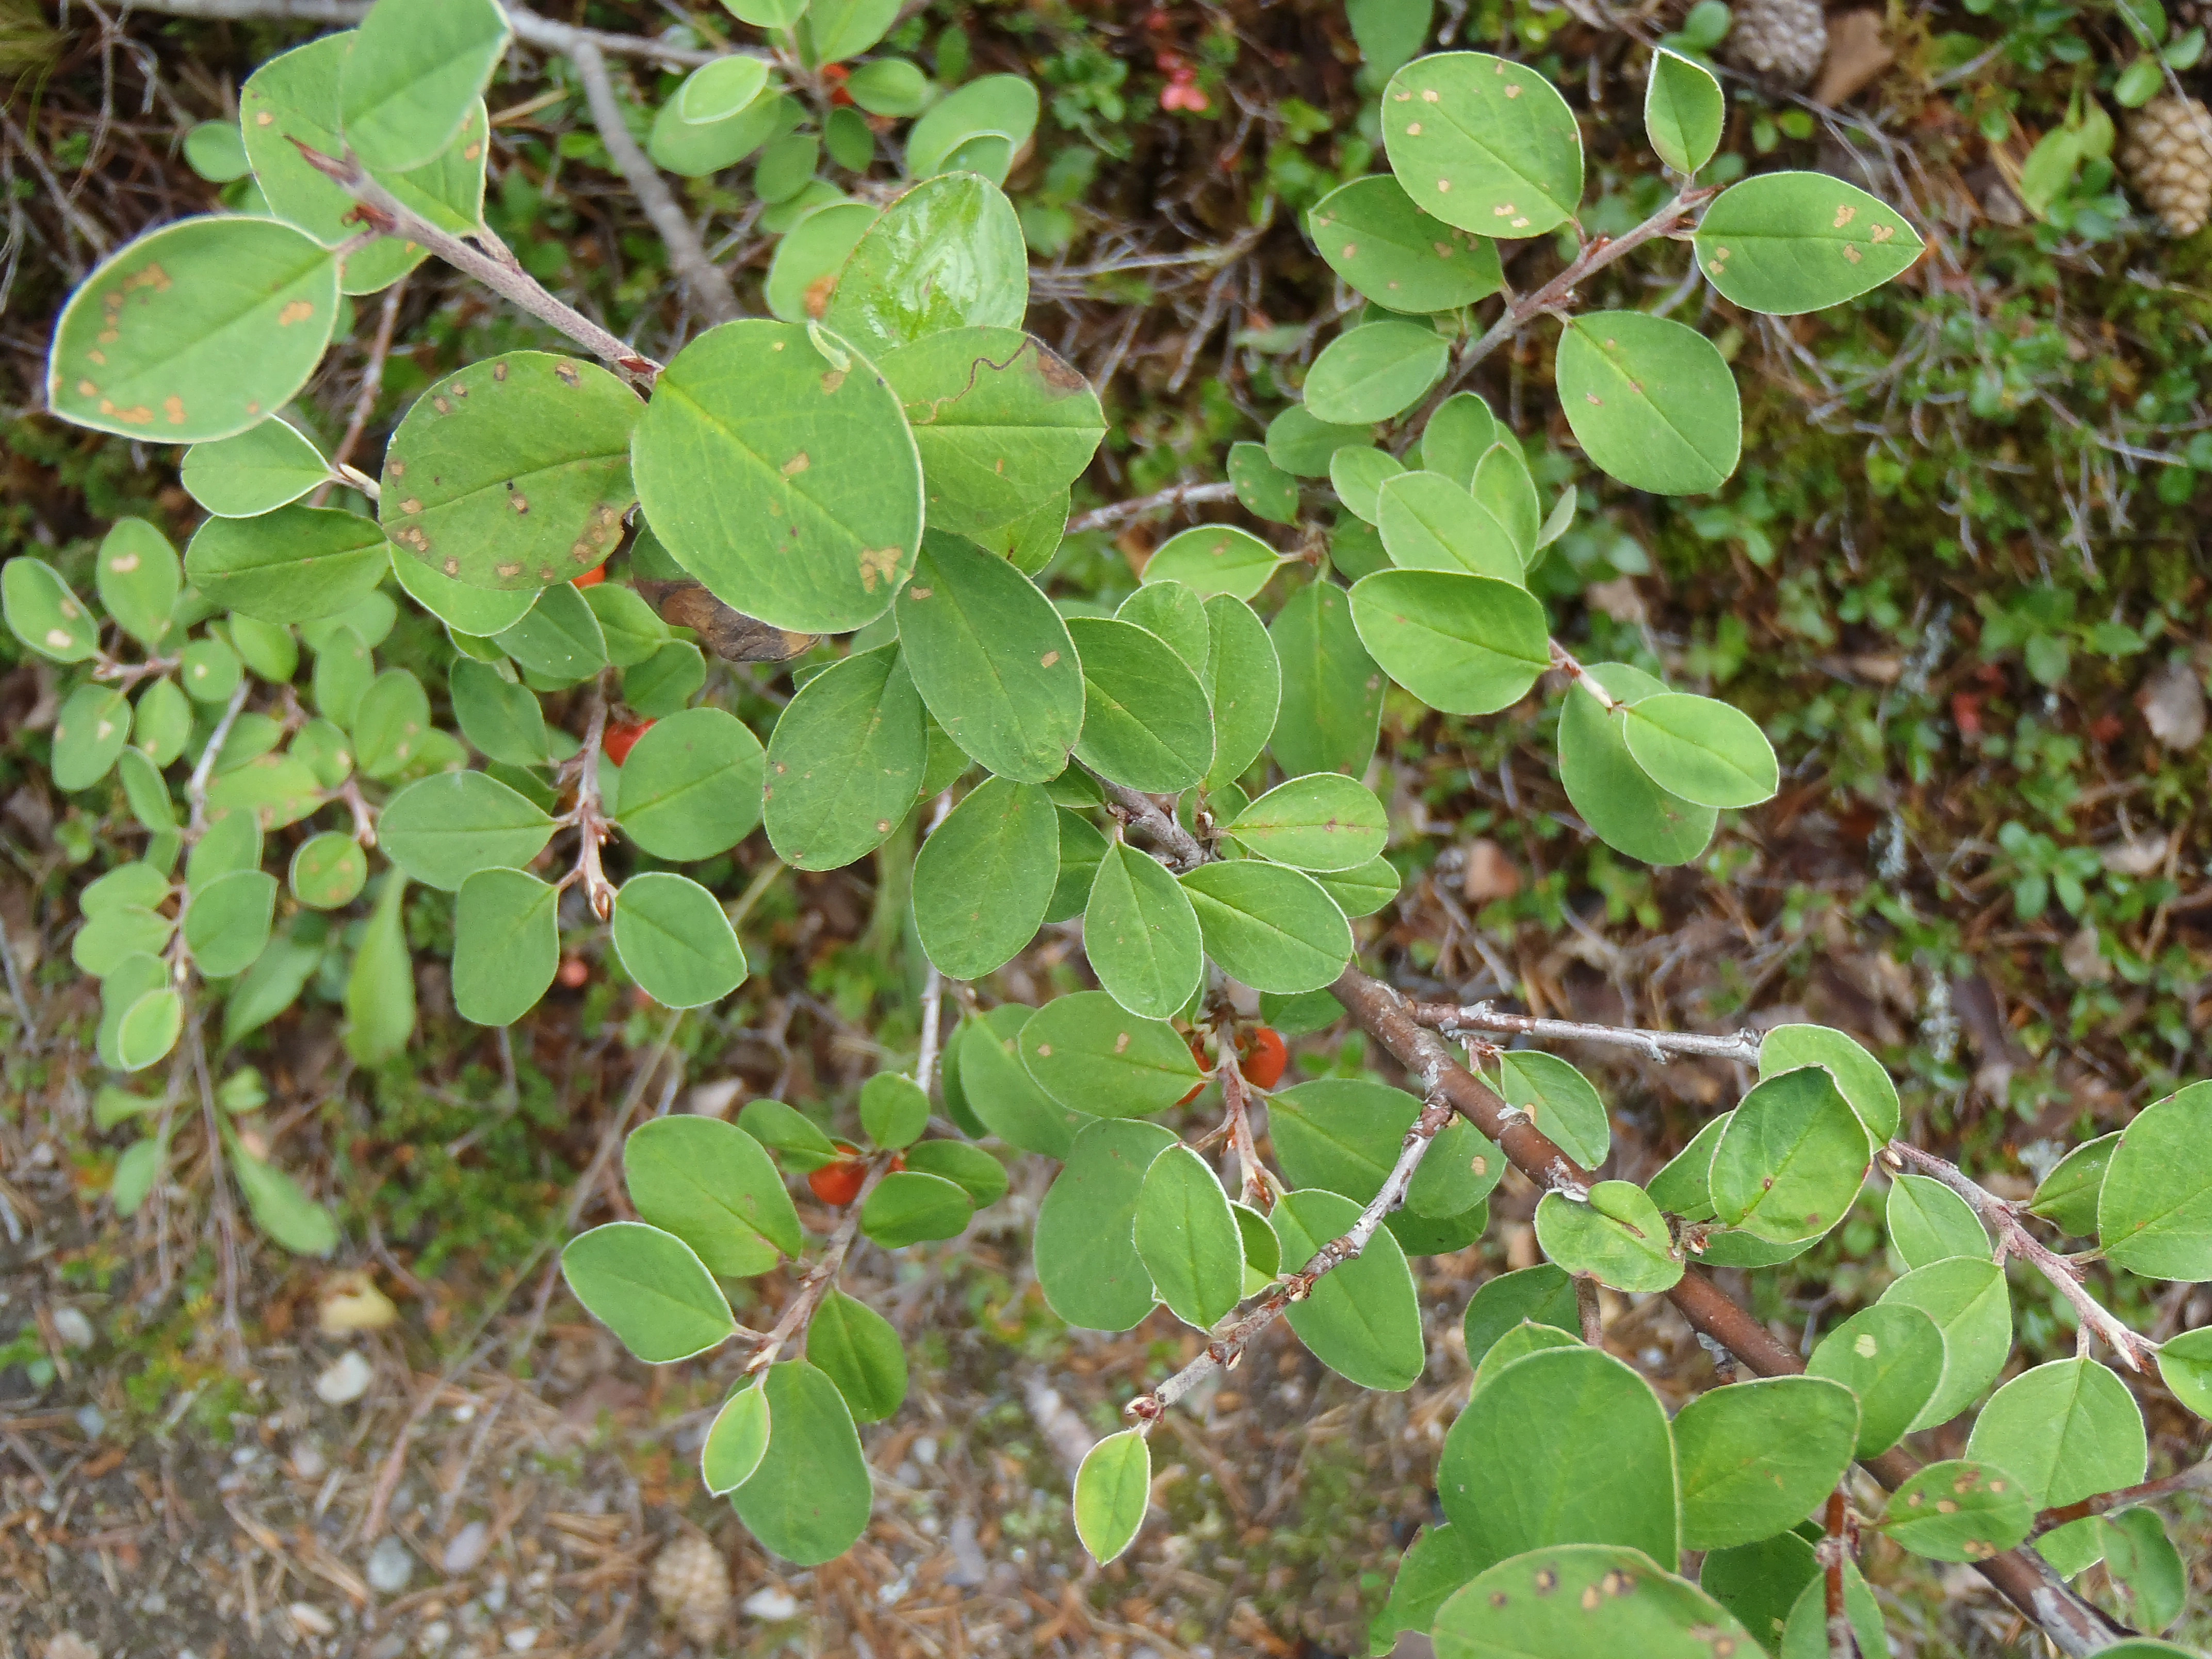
x=575 y=973
x=621 y=737
x=838 y=1184
x=590 y=578
x=1264 y=1057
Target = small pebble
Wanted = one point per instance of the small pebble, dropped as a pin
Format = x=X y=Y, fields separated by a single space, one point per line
x=308 y=1461
x=465 y=1551
x=521 y=1641
x=311 y=1618
x=390 y=1565
x=92 y=1420
x=434 y=1636
x=772 y=1605
x=69 y=1645
x=73 y=1327
x=344 y=1380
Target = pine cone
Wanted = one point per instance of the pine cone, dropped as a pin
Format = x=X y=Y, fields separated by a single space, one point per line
x=2168 y=159
x=1784 y=40
x=691 y=1582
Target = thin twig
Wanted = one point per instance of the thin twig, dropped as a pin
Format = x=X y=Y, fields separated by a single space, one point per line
x=1142 y=812
x=1454 y=1020
x=932 y=981
x=2197 y=1477
x=709 y=287
x=1185 y=494
x=593 y=825
x=31 y=1042
x=196 y=787
x=538 y=31
x=1834 y=1546
x=372 y=387
x=2003 y=1217
x=226 y=1211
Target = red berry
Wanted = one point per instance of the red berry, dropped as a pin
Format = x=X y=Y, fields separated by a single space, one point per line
x=838 y=1184
x=1198 y=1054
x=590 y=578
x=621 y=737
x=898 y=1162
x=575 y=973
x=1265 y=1056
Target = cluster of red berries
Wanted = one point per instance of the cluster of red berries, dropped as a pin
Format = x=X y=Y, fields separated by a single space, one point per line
x=1181 y=91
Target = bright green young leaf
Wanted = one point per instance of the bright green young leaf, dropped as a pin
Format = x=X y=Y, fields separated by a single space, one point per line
x=1189 y=1240
x=1214 y=559
x=1791 y=1160
x=758 y=423
x=844 y=761
x=1301 y=443
x=1458 y=436
x=1651 y=401
x=1112 y=1488
x=1243 y=686
x=1618 y=1237
x=1145 y=722
x=890 y=86
x=1272 y=927
x=984 y=877
x=711 y=1185
x=43 y=612
x=1928 y=1222
x=649 y=1288
x=295 y=565
x=1565 y=1445
x=1484 y=143
x=1958 y=1511
x=1004 y=105
x=810 y=1499
x=415 y=73
x=1583 y=1599
x=947 y=254
x=1087 y=1263
x=148 y=1029
x=675 y=940
x=1176 y=613
x=1374 y=372
x=138 y=578
x=263 y=468
x=691 y=785
x=507 y=944
x=195 y=330
x=2155 y=1211
x=1891 y=1356
x=2067 y=1197
x=1858 y=1074
x=1559 y=1101
x=442 y=829
x=1402 y=258
x=1616 y=798
x=855 y=1347
x=1544 y=1293
x=737 y=1441
x=119 y=932
x=89 y=733
x=1683 y=111
x=214 y=151
x=1503 y=489
x=1701 y=749
x=721 y=87
x=1092 y=1055
x=1757 y=1457
x=695 y=149
x=1363 y=1320
x=2067 y=1430
x=226 y=924
x=1331 y=708
x=1464 y=645
x=991 y=659
x=380 y=992
x=1791 y=242
x=1141 y=935
x=1357 y=476
x=1264 y=488
x=2184 y=1363
x=1971 y=1309
x=1321 y=821
x=279 y=1209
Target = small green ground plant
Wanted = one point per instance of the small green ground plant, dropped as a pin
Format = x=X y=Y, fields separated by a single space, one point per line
x=861 y=490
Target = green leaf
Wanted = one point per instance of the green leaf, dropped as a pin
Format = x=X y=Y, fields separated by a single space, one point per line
x=803 y=275
x=1112 y=1488
x=1791 y=1160
x=390 y=725
x=844 y=761
x=711 y=1185
x=2067 y=1197
x=1189 y=1240
x=810 y=1499
x=691 y=785
x=479 y=613
x=855 y=1347
x=1402 y=258
x=737 y=1441
x=1805 y=1632
x=666 y=681
x=1891 y=1356
x=328 y=870
x=560 y=640
x=277 y=790
x=1141 y=935
x=2141 y=1557
x=1358 y=477
x=1375 y=371
x=1928 y=1222
x=139 y=886
x=890 y=86
x=148 y=1030
x=232 y=842
x=894 y=1110
x=1464 y=645
x=1087 y=1263
x=1176 y=614
x=214 y=151
x=1001 y=105
x=138 y=578
x=1342 y=1135
x=756 y=424
x=279 y=1209
x=1092 y=1055
x=1615 y=797
x=833 y=30
x=1428 y=522
x=135 y=1173
x=268 y=988
x=2154 y=1211
x=146 y=791
x=908 y=1206
x=263 y=468
x=161 y=725
x=721 y=87
x=226 y=924
x=1145 y=722
x=1484 y=143
x=89 y=733
x=1757 y=1457
x=1759 y=1582
x=442 y=830
x=295 y=564
x=695 y=149
x=1958 y=1511
x=500 y=717
x=507 y=944
x=1971 y=1309
x=1702 y=750
x=992 y=660
x=118 y=932
x=1435 y=1565
x=984 y=877
x=1564 y=1445
x=415 y=72
x=1081 y=847
x=1331 y=708
x=2066 y=1431
x=1683 y=110
x=972 y=1170
x=1272 y=927
x=1618 y=1237
x=1559 y=1101
x=1503 y=489
x=1458 y=436
x=1324 y=821
x=1001 y=424
x=127 y=982
x=512 y=473
x=1859 y=1076
x=1243 y=684
x=1579 y=1600
x=43 y=613
x=1264 y=488
x=379 y=991
x=1363 y=1320
x=208 y=671
x=650 y=1289
x=1000 y=1091
x=1543 y=1294
x=1651 y=401
x=195 y=330
x=1790 y=242
x=2185 y=1363
x=947 y=254
x=675 y=941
